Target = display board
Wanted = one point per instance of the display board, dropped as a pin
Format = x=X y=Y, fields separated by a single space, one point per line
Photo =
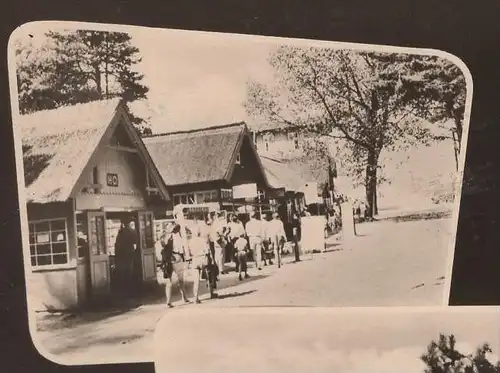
x=313 y=233
x=348 y=229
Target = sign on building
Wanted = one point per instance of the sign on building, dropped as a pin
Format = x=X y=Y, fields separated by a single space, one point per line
x=310 y=191
x=245 y=191
x=112 y=179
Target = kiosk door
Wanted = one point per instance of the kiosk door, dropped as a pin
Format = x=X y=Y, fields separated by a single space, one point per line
x=98 y=255
x=147 y=245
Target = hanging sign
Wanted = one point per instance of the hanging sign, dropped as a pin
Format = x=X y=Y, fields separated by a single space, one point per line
x=310 y=191
x=112 y=180
x=245 y=191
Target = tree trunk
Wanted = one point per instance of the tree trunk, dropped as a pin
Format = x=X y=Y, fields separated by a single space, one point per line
x=459 y=130
x=98 y=77
x=456 y=148
x=371 y=183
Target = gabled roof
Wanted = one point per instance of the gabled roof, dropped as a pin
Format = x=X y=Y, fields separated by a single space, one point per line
x=58 y=144
x=196 y=156
x=281 y=175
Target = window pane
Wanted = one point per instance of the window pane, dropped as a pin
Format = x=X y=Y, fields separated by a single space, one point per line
x=43 y=249
x=44 y=260
x=59 y=236
x=32 y=238
x=31 y=227
x=32 y=249
x=60 y=259
x=33 y=260
x=101 y=244
x=58 y=225
x=42 y=226
x=59 y=248
x=42 y=238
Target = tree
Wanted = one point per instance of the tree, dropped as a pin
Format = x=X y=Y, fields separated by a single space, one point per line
x=77 y=67
x=439 y=88
x=348 y=96
x=443 y=357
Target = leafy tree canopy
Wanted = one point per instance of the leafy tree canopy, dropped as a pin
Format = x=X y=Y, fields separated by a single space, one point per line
x=73 y=67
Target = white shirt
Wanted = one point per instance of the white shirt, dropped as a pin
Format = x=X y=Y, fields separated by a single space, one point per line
x=216 y=229
x=198 y=246
x=276 y=228
x=241 y=244
x=255 y=228
x=178 y=242
x=237 y=229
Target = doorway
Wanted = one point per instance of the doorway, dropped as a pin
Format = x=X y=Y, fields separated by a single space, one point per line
x=122 y=241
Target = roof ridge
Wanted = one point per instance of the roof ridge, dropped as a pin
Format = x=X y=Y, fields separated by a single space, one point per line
x=220 y=126
x=117 y=99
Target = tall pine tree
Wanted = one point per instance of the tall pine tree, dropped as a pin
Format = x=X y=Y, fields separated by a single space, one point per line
x=76 y=67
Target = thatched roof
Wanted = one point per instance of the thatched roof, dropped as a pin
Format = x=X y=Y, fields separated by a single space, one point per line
x=281 y=175
x=195 y=156
x=57 y=144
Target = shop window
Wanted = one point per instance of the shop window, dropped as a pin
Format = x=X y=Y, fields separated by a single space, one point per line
x=48 y=241
x=206 y=196
x=180 y=199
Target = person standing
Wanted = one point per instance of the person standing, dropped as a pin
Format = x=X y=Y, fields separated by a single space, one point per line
x=218 y=239
x=277 y=235
x=211 y=272
x=174 y=255
x=236 y=229
x=241 y=246
x=199 y=251
x=266 y=241
x=295 y=236
x=125 y=252
x=256 y=235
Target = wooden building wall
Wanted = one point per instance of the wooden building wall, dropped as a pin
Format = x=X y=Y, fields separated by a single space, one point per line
x=130 y=192
x=55 y=287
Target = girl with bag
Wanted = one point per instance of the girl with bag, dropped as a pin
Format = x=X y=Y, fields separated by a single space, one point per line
x=173 y=260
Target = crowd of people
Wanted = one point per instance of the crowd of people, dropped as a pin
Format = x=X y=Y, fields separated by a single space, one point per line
x=202 y=247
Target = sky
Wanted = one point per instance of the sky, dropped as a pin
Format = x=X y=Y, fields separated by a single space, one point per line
x=199 y=80
x=318 y=340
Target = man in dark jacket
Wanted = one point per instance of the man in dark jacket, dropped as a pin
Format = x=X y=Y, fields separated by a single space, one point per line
x=125 y=252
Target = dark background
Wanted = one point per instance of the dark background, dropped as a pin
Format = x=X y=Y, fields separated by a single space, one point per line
x=469 y=30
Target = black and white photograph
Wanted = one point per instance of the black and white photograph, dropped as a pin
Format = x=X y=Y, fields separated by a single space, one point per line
x=390 y=340
x=167 y=170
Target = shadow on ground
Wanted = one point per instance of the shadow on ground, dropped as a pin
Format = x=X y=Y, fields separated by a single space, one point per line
x=92 y=340
x=418 y=216
x=119 y=306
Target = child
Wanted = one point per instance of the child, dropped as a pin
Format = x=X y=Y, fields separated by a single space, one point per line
x=241 y=253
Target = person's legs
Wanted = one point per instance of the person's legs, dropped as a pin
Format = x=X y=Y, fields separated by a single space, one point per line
x=168 y=291
x=242 y=259
x=179 y=269
x=244 y=264
x=257 y=246
x=235 y=254
x=296 y=248
x=277 y=253
x=196 y=284
x=219 y=258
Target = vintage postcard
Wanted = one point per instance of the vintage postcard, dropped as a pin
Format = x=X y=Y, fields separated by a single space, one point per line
x=164 y=169
x=389 y=339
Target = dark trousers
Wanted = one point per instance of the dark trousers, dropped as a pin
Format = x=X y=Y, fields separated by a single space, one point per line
x=241 y=257
x=296 y=248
